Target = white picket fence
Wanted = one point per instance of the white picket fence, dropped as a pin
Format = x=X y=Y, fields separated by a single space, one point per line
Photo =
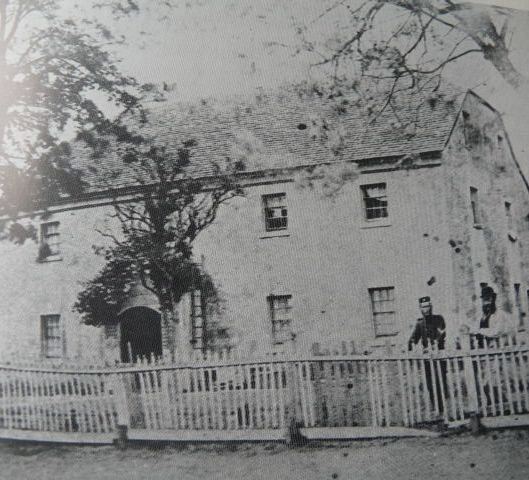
x=228 y=392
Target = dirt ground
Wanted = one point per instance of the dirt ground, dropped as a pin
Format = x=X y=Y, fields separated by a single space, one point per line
x=494 y=455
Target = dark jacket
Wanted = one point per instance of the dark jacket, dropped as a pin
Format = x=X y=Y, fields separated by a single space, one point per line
x=430 y=329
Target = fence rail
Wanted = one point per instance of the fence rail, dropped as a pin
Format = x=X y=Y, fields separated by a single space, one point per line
x=225 y=392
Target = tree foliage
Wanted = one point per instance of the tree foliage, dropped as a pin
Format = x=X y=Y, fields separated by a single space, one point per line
x=153 y=245
x=408 y=44
x=62 y=87
x=58 y=77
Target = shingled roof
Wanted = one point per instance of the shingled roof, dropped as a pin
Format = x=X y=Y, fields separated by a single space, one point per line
x=280 y=130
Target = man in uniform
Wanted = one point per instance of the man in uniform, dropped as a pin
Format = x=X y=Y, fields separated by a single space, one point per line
x=430 y=330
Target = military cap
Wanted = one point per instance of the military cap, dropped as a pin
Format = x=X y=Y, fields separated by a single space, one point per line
x=424 y=300
x=488 y=292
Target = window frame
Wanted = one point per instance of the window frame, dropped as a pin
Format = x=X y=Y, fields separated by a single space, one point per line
x=376 y=312
x=45 y=236
x=366 y=208
x=266 y=208
x=48 y=338
x=286 y=333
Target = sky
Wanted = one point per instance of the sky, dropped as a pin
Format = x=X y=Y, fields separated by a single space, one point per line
x=518 y=4
x=221 y=48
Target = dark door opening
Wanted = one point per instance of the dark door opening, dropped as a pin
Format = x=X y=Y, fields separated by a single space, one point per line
x=141 y=334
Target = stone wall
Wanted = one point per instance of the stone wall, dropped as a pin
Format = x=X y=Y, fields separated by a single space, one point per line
x=478 y=156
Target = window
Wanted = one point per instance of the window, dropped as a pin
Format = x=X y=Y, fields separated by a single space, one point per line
x=198 y=320
x=474 y=205
x=51 y=336
x=281 y=315
x=49 y=240
x=383 y=308
x=275 y=212
x=375 y=201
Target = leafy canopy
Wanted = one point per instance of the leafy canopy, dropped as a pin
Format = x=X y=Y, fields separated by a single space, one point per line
x=153 y=244
x=58 y=79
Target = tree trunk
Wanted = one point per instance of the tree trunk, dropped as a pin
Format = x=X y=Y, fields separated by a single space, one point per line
x=500 y=59
x=169 y=332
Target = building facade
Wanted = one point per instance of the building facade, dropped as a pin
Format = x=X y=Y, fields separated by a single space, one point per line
x=438 y=213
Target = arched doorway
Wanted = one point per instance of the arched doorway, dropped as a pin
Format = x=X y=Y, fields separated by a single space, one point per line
x=141 y=333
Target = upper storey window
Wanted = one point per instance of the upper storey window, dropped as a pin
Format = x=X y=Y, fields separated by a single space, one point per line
x=375 y=201
x=275 y=212
x=49 y=241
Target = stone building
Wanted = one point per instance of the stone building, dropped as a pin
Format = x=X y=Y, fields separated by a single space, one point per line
x=439 y=208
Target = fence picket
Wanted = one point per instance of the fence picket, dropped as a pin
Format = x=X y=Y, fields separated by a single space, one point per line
x=378 y=393
x=212 y=397
x=185 y=380
x=21 y=405
x=51 y=404
x=30 y=398
x=101 y=405
x=277 y=392
x=409 y=390
x=374 y=415
x=515 y=380
x=505 y=372
x=490 y=381
x=92 y=402
x=483 y=402
x=179 y=398
x=144 y=401
x=82 y=404
x=524 y=379
x=16 y=402
x=197 y=416
x=248 y=395
x=71 y=403
x=265 y=394
x=497 y=365
x=403 y=402
x=203 y=397
x=176 y=399
x=301 y=390
x=435 y=379
x=238 y=394
x=421 y=365
x=415 y=376
x=451 y=394
x=171 y=400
